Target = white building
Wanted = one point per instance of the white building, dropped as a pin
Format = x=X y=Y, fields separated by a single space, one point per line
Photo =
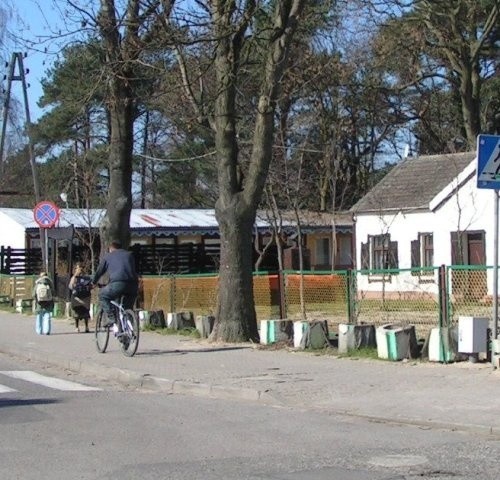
x=427 y=211
x=155 y=227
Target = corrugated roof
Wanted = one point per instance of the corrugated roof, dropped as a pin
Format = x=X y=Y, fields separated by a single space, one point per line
x=22 y=216
x=67 y=217
x=172 y=219
x=413 y=183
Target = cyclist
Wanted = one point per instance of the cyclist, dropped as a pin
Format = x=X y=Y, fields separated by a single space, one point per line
x=119 y=264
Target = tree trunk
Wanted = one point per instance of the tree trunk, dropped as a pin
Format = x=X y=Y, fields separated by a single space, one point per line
x=240 y=191
x=116 y=222
x=120 y=50
x=470 y=86
x=235 y=276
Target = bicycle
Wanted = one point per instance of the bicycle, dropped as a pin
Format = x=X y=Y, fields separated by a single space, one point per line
x=126 y=329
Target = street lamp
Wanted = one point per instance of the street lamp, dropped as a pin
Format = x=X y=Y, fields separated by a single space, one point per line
x=64 y=198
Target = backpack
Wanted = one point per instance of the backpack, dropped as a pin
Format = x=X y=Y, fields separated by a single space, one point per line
x=43 y=292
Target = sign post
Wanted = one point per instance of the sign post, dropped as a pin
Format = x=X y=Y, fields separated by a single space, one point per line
x=495 y=271
x=46 y=215
x=488 y=176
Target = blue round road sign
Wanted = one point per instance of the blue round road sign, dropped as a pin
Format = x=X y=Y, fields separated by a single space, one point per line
x=46 y=214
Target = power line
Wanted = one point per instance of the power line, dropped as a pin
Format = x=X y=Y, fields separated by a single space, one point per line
x=214 y=152
x=172 y=160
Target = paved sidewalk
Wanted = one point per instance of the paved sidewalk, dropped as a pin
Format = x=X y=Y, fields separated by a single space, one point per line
x=462 y=396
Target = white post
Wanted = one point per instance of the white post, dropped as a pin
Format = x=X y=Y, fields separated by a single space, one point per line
x=495 y=277
x=46 y=237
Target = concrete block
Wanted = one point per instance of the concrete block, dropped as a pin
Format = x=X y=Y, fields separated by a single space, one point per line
x=204 y=324
x=157 y=319
x=274 y=331
x=495 y=345
x=5 y=299
x=143 y=316
x=495 y=360
x=396 y=342
x=312 y=334
x=443 y=344
x=180 y=320
x=24 y=305
x=299 y=330
x=353 y=337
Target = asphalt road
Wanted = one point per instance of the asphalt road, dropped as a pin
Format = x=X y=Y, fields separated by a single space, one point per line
x=113 y=432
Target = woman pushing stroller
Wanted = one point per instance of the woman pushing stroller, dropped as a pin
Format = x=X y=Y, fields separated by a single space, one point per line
x=80 y=288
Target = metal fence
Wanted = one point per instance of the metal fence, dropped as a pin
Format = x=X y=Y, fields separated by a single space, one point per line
x=402 y=296
x=468 y=292
x=424 y=297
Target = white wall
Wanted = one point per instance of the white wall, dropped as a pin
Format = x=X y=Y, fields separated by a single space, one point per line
x=470 y=209
x=12 y=233
x=403 y=228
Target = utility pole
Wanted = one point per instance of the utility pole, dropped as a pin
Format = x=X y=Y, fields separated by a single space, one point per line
x=144 y=161
x=17 y=59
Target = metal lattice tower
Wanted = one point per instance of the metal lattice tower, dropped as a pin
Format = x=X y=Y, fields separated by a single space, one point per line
x=17 y=59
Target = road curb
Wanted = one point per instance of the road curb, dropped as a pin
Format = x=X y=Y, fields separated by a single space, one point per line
x=489 y=431
x=144 y=380
x=182 y=387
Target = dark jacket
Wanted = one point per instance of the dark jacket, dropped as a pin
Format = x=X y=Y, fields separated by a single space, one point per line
x=119 y=265
x=79 y=287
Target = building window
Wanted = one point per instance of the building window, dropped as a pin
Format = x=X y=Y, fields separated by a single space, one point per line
x=379 y=253
x=323 y=251
x=468 y=248
x=422 y=253
x=344 y=251
x=427 y=245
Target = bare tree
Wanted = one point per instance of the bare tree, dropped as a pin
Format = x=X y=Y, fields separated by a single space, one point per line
x=240 y=194
x=440 y=51
x=461 y=33
x=120 y=44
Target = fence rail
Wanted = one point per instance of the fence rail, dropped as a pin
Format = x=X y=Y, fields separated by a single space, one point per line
x=20 y=261
x=425 y=298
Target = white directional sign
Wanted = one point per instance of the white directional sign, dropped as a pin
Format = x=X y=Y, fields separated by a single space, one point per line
x=488 y=161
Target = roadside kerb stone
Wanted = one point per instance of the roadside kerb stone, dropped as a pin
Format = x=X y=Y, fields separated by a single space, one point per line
x=118 y=374
x=454 y=397
x=158 y=384
x=247 y=394
x=490 y=431
x=146 y=381
x=141 y=380
x=188 y=388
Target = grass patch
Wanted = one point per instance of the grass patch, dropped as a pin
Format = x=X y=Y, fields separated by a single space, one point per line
x=365 y=352
x=186 y=332
x=327 y=351
x=397 y=305
x=4 y=307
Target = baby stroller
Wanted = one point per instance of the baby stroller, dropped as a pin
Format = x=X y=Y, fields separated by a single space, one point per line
x=80 y=301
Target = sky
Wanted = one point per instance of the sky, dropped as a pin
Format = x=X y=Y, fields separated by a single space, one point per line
x=30 y=20
x=31 y=25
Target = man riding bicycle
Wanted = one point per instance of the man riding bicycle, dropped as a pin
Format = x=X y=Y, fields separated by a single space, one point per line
x=119 y=264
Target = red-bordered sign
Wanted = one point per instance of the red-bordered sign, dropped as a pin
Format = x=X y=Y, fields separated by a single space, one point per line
x=46 y=214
